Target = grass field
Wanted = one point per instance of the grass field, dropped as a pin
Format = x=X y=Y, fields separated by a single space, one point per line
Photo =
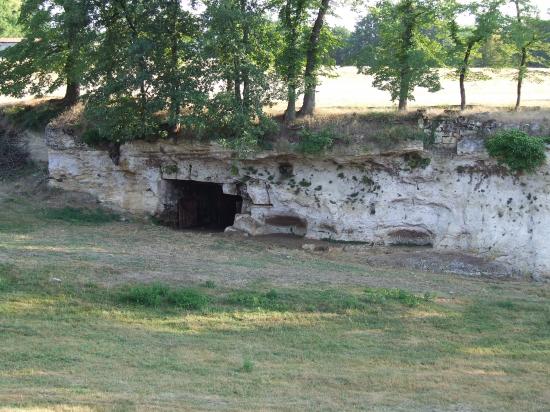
x=103 y=313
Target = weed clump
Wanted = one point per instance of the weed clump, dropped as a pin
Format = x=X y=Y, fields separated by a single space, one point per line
x=248 y=366
x=145 y=295
x=157 y=295
x=383 y=295
x=256 y=300
x=313 y=142
x=517 y=150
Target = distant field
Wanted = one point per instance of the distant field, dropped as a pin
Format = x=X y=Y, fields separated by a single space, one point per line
x=349 y=90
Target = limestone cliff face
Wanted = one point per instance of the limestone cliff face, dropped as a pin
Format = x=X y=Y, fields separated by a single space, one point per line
x=461 y=200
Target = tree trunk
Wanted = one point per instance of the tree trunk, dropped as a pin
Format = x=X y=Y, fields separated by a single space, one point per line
x=462 y=79
x=237 y=80
x=521 y=75
x=312 y=56
x=72 y=93
x=290 y=114
x=404 y=86
x=403 y=57
x=175 y=103
x=403 y=104
x=245 y=72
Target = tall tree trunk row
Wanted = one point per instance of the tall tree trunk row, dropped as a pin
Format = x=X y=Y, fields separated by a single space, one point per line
x=312 y=61
x=463 y=72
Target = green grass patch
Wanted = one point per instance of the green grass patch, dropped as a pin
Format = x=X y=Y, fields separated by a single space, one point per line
x=315 y=142
x=382 y=295
x=157 y=295
x=80 y=215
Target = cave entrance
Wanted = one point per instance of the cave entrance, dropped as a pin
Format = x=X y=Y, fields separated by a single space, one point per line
x=204 y=205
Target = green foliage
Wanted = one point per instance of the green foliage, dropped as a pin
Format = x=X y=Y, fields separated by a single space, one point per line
x=415 y=161
x=359 y=46
x=93 y=137
x=399 y=133
x=189 y=299
x=80 y=216
x=9 y=13
x=7 y=276
x=404 y=56
x=209 y=284
x=516 y=149
x=170 y=169
x=54 y=50
x=467 y=40
x=157 y=294
x=291 y=60
x=240 y=44
x=145 y=295
x=315 y=142
x=530 y=39
x=253 y=299
x=248 y=366
x=382 y=295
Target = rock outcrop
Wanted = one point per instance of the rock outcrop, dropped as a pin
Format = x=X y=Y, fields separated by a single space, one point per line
x=456 y=199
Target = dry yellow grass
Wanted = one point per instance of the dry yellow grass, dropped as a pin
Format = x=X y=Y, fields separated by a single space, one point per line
x=349 y=91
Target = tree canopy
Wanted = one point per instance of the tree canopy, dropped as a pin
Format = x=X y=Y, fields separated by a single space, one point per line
x=150 y=68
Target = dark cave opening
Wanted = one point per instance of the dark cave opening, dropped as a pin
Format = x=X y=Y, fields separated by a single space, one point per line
x=203 y=205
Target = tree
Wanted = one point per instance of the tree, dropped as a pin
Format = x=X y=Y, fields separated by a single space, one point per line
x=146 y=71
x=524 y=33
x=292 y=15
x=9 y=14
x=364 y=39
x=341 y=54
x=467 y=39
x=313 y=59
x=239 y=45
x=52 y=54
x=406 y=55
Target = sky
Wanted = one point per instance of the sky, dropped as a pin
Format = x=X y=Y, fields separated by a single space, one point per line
x=347 y=17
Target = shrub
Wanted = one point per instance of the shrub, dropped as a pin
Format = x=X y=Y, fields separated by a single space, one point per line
x=157 y=294
x=270 y=300
x=398 y=133
x=312 y=142
x=189 y=299
x=516 y=149
x=92 y=137
x=145 y=295
x=387 y=136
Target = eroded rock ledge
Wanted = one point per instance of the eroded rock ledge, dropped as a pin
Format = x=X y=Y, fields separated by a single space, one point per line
x=460 y=200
